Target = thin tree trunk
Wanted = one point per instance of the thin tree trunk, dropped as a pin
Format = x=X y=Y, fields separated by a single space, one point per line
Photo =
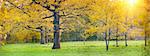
x=105 y=36
x=8 y=37
x=109 y=33
x=126 y=43
x=33 y=39
x=0 y=40
x=56 y=44
x=46 y=39
x=46 y=35
x=42 y=40
x=145 y=40
x=117 y=35
x=117 y=42
x=84 y=41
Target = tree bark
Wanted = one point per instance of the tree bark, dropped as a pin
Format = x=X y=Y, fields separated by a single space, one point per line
x=46 y=38
x=0 y=40
x=46 y=35
x=126 y=43
x=117 y=35
x=117 y=42
x=109 y=33
x=145 y=40
x=33 y=39
x=105 y=37
x=42 y=40
x=8 y=38
x=56 y=44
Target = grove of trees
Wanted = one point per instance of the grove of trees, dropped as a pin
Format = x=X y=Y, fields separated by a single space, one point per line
x=44 y=21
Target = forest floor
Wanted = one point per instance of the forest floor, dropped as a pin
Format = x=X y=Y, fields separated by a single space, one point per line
x=88 y=48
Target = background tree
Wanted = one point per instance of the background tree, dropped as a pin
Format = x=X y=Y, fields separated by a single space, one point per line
x=56 y=9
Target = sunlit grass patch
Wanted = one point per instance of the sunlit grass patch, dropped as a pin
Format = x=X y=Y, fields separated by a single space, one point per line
x=89 y=48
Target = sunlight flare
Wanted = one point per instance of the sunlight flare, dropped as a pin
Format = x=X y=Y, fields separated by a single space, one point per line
x=132 y=2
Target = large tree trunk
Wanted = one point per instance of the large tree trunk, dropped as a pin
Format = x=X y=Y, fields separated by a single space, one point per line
x=56 y=44
x=126 y=43
x=42 y=40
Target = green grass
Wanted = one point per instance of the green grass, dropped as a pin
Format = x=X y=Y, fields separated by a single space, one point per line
x=89 y=48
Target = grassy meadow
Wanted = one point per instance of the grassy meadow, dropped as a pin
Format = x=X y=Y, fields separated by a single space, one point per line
x=88 y=48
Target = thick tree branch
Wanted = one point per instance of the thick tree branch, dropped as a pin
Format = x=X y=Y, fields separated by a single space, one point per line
x=46 y=7
x=48 y=17
x=30 y=28
x=18 y=8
